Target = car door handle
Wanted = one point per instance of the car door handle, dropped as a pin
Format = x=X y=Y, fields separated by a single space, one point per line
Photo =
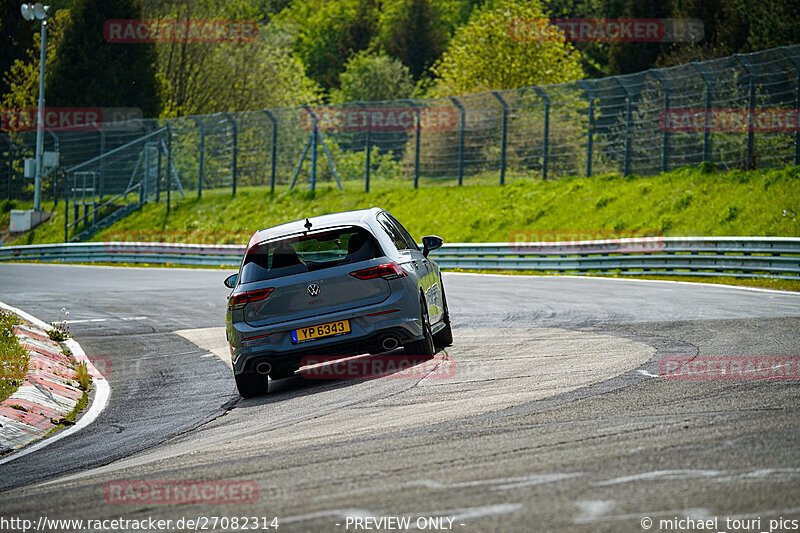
x=415 y=262
x=424 y=261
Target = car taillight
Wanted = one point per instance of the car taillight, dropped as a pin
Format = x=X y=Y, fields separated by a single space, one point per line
x=387 y=271
x=241 y=299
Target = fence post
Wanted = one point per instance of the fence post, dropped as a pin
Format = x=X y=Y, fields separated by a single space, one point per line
x=367 y=142
x=502 y=137
x=709 y=80
x=663 y=122
x=235 y=149
x=201 y=159
x=66 y=210
x=101 y=188
x=158 y=175
x=10 y=164
x=418 y=128
x=590 y=127
x=314 y=155
x=169 y=165
x=751 y=104
x=462 y=127
x=55 y=172
x=274 y=148
x=796 y=62
x=628 y=119
x=546 y=133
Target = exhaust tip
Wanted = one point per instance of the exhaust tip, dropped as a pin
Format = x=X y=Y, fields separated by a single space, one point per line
x=263 y=368
x=390 y=343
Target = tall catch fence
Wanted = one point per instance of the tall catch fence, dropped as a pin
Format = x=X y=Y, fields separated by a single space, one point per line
x=737 y=112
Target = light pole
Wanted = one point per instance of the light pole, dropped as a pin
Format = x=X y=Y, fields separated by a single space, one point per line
x=30 y=12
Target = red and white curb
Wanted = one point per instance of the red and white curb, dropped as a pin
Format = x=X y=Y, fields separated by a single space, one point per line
x=46 y=392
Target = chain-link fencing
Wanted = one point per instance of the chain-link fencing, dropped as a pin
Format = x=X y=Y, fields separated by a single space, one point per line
x=737 y=112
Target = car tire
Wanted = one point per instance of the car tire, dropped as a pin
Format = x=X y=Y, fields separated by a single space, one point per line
x=251 y=384
x=444 y=337
x=424 y=347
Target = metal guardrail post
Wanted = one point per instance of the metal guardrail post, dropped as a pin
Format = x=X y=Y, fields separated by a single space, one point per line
x=418 y=129
x=796 y=61
x=503 y=134
x=751 y=105
x=234 y=170
x=461 y=130
x=367 y=143
x=546 y=133
x=274 y=154
x=201 y=155
x=590 y=126
x=709 y=80
x=665 y=109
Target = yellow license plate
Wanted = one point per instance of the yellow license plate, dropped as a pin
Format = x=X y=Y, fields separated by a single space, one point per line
x=331 y=329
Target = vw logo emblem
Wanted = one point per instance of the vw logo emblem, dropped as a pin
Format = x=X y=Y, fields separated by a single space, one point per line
x=313 y=289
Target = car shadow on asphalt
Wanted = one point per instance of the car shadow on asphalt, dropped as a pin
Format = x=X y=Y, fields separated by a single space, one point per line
x=339 y=373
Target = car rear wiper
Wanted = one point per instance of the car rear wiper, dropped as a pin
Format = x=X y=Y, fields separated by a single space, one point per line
x=327 y=264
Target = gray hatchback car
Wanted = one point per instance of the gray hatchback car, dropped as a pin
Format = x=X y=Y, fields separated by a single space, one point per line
x=340 y=284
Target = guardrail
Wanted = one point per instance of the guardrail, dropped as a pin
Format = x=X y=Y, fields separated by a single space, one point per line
x=776 y=257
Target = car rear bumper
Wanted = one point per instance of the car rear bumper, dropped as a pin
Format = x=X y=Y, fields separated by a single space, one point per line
x=343 y=346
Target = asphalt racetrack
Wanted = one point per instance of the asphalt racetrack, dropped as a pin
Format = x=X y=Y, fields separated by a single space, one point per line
x=552 y=415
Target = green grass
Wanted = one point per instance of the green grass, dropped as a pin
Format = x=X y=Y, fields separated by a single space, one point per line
x=69 y=420
x=683 y=202
x=14 y=358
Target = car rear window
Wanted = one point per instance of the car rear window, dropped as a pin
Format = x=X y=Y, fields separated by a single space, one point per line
x=312 y=251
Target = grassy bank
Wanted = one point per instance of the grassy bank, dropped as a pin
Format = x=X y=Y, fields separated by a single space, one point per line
x=683 y=202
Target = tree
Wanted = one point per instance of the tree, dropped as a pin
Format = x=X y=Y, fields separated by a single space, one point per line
x=90 y=72
x=22 y=78
x=256 y=75
x=328 y=33
x=412 y=32
x=370 y=77
x=734 y=26
x=487 y=54
x=16 y=38
x=627 y=57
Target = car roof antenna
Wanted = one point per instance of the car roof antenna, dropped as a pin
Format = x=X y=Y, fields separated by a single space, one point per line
x=307 y=225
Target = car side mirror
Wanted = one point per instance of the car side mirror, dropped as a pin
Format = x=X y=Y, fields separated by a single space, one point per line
x=431 y=243
x=231 y=280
